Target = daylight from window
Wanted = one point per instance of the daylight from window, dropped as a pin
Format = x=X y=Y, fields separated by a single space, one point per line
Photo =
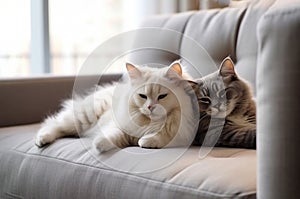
x=14 y=38
x=76 y=28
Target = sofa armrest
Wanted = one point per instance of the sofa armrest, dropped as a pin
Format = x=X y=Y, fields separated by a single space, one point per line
x=29 y=100
x=278 y=86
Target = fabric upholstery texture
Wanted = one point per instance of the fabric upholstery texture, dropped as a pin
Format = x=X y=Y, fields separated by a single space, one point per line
x=69 y=168
x=278 y=102
x=262 y=39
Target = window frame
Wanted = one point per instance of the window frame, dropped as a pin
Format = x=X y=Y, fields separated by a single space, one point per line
x=40 y=43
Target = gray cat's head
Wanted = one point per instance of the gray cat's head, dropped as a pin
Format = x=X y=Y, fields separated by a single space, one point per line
x=221 y=92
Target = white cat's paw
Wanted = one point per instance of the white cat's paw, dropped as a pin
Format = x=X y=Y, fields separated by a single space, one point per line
x=149 y=142
x=102 y=144
x=43 y=137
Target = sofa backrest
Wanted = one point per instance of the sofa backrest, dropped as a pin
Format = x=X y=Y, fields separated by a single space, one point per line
x=224 y=32
x=30 y=100
x=221 y=32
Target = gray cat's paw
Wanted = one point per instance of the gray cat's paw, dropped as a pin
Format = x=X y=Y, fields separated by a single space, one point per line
x=44 y=137
x=149 y=142
x=102 y=144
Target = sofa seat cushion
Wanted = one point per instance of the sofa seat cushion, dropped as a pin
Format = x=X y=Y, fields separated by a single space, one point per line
x=70 y=168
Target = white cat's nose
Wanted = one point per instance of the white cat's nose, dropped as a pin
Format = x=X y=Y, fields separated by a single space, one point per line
x=151 y=107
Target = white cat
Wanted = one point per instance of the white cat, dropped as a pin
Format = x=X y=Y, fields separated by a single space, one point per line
x=153 y=108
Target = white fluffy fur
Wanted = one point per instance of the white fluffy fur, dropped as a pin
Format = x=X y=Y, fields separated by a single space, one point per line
x=122 y=116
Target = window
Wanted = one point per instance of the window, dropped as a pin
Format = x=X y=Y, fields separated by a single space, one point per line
x=56 y=36
x=78 y=27
x=14 y=37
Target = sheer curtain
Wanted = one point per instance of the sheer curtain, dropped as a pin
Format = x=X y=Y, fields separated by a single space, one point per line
x=210 y=4
x=137 y=10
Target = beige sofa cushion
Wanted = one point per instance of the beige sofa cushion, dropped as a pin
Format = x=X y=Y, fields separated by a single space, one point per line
x=69 y=168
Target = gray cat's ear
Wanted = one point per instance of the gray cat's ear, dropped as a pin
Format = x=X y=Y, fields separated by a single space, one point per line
x=175 y=67
x=133 y=71
x=227 y=68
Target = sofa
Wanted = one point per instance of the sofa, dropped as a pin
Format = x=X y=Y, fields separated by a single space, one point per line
x=263 y=40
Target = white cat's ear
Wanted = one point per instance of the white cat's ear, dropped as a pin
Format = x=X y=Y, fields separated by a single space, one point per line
x=175 y=67
x=227 y=68
x=133 y=71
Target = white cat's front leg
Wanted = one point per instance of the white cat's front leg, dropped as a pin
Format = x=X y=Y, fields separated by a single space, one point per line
x=103 y=144
x=151 y=141
x=111 y=137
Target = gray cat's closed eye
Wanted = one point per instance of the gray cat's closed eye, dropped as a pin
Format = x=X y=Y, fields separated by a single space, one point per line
x=205 y=100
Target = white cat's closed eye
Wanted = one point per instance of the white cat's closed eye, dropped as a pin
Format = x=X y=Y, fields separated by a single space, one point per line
x=143 y=96
x=162 y=96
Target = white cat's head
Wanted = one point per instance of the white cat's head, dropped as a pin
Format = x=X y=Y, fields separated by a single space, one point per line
x=154 y=91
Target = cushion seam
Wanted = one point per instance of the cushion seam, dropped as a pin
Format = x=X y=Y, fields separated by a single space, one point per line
x=183 y=31
x=237 y=31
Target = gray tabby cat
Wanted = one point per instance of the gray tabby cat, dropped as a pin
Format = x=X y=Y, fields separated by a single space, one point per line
x=223 y=96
